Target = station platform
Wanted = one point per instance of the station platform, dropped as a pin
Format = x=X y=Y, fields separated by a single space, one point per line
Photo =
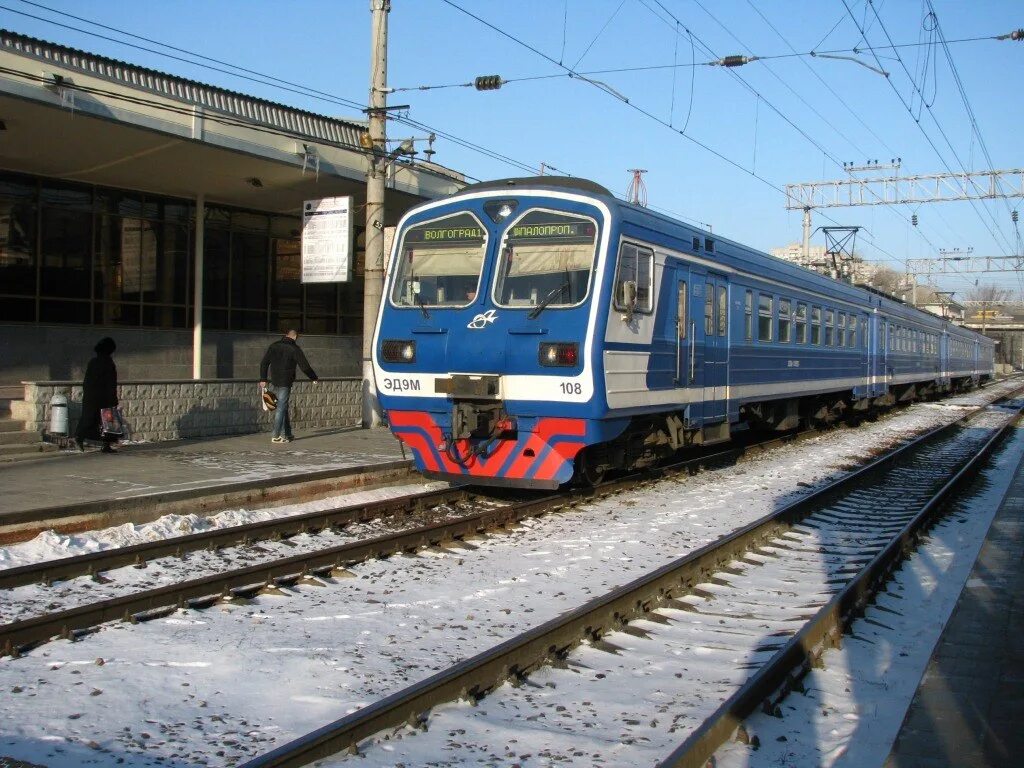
x=970 y=702
x=79 y=491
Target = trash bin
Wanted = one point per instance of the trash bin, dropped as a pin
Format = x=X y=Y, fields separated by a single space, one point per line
x=59 y=415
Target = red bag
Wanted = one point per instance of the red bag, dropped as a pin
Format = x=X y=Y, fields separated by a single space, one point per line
x=111 y=422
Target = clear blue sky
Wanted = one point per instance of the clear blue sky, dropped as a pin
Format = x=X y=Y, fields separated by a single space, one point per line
x=840 y=111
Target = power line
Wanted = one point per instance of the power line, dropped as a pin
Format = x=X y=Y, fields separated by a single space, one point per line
x=675 y=66
x=254 y=76
x=627 y=102
x=910 y=109
x=712 y=53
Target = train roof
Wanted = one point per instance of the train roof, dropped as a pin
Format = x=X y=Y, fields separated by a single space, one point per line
x=538 y=182
x=672 y=227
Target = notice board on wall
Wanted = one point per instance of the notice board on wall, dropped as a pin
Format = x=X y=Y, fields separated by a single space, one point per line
x=327 y=240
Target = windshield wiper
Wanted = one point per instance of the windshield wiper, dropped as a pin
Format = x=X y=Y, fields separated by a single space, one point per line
x=548 y=299
x=422 y=305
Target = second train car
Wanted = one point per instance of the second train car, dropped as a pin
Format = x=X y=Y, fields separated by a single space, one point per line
x=535 y=331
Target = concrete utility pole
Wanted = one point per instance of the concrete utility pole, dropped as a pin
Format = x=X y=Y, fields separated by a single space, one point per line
x=373 y=265
x=806 y=250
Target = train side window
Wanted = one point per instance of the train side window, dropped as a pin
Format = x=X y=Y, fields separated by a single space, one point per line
x=830 y=328
x=764 y=317
x=841 y=330
x=681 y=317
x=852 y=341
x=723 y=311
x=709 y=309
x=709 y=245
x=816 y=326
x=636 y=264
x=696 y=243
x=785 y=321
x=748 y=313
x=801 y=323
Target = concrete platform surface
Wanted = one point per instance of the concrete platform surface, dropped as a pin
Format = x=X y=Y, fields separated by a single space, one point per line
x=148 y=469
x=969 y=707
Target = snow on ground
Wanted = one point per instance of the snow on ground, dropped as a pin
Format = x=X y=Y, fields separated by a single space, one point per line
x=633 y=708
x=51 y=545
x=853 y=708
x=216 y=686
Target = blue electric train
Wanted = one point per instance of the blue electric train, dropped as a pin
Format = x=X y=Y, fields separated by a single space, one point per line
x=537 y=330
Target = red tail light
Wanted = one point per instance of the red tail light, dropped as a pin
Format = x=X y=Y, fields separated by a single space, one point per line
x=559 y=354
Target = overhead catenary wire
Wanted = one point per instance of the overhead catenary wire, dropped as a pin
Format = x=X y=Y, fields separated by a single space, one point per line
x=775 y=109
x=675 y=65
x=250 y=75
x=600 y=86
x=909 y=109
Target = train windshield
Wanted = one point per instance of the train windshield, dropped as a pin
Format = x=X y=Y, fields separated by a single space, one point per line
x=546 y=261
x=439 y=263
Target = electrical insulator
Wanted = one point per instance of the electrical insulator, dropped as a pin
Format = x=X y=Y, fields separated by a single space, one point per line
x=1014 y=217
x=913 y=219
x=487 y=83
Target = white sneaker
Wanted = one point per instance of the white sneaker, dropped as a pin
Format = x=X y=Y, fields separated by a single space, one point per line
x=279 y=439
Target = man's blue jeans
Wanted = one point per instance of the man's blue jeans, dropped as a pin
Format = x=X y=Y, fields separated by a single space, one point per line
x=282 y=424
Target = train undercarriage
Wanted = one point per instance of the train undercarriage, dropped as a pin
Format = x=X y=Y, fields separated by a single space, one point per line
x=651 y=439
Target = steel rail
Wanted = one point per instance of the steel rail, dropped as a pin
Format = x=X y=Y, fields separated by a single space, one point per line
x=93 y=563
x=517 y=657
x=18 y=636
x=781 y=674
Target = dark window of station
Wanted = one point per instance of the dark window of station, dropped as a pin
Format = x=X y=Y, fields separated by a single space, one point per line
x=17 y=245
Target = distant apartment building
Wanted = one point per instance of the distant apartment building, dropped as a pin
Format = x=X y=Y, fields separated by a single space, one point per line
x=856 y=271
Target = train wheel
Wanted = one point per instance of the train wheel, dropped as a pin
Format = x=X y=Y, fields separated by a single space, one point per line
x=586 y=473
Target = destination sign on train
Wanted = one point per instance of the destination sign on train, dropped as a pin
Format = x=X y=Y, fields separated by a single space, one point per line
x=445 y=234
x=555 y=230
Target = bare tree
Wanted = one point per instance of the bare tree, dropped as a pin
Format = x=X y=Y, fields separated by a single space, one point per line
x=888 y=280
x=990 y=294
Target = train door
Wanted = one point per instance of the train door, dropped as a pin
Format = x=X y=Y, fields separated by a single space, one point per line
x=686 y=361
x=716 y=347
x=886 y=349
x=862 y=338
x=874 y=342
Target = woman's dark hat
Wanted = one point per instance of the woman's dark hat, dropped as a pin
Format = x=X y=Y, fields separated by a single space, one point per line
x=269 y=400
x=106 y=346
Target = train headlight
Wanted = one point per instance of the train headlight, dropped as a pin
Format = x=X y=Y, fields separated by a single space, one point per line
x=398 y=351
x=560 y=354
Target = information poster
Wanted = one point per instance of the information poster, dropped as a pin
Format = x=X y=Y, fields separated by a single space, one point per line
x=327 y=240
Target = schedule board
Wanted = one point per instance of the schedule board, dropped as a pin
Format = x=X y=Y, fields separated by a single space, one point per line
x=327 y=240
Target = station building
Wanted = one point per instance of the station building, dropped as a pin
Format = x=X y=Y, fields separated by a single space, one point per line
x=166 y=213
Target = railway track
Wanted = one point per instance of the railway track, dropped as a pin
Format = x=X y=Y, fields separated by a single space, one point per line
x=852 y=533
x=444 y=511
x=448 y=522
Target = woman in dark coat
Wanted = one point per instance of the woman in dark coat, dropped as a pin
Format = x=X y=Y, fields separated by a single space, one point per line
x=99 y=390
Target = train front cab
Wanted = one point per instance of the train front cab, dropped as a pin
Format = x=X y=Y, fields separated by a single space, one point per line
x=482 y=353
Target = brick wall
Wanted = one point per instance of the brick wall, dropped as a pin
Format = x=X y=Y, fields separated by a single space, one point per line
x=169 y=410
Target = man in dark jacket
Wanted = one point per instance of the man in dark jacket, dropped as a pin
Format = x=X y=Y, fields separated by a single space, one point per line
x=99 y=391
x=281 y=358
